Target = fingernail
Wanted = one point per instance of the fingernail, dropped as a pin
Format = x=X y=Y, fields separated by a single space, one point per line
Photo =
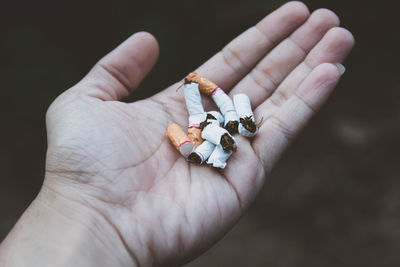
x=341 y=68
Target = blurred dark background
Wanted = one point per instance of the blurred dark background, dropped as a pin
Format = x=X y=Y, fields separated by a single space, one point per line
x=334 y=199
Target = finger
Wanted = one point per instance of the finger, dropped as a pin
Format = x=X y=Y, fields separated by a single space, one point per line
x=117 y=74
x=238 y=57
x=334 y=47
x=270 y=71
x=280 y=128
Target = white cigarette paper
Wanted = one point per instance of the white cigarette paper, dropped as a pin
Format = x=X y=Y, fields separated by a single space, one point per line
x=218 y=157
x=213 y=133
x=217 y=115
x=204 y=150
x=243 y=109
x=225 y=105
x=193 y=99
x=195 y=120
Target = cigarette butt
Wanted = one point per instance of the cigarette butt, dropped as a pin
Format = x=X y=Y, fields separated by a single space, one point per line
x=225 y=105
x=194 y=135
x=179 y=139
x=206 y=86
x=201 y=153
x=219 y=157
x=247 y=125
x=193 y=99
x=218 y=135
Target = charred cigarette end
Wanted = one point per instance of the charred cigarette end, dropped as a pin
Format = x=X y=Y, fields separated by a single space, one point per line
x=227 y=143
x=194 y=158
x=205 y=86
x=207 y=122
x=194 y=135
x=210 y=117
x=179 y=139
x=249 y=124
x=232 y=127
x=204 y=124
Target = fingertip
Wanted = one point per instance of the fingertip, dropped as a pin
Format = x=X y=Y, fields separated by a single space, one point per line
x=342 y=36
x=327 y=71
x=319 y=84
x=118 y=73
x=148 y=39
x=283 y=21
x=296 y=8
x=324 y=16
x=295 y=11
x=148 y=46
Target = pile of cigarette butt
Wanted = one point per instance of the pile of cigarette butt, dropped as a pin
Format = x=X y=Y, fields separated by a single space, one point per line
x=210 y=134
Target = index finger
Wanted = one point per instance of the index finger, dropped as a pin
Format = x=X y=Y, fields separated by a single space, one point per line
x=237 y=58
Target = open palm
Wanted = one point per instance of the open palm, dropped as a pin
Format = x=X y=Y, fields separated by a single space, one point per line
x=114 y=157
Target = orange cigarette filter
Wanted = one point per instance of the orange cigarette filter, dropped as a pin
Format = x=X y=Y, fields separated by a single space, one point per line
x=194 y=135
x=206 y=86
x=179 y=139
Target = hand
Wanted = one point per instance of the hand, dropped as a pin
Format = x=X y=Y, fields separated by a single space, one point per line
x=113 y=158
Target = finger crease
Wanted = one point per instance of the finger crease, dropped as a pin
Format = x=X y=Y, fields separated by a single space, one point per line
x=265 y=36
x=278 y=98
x=267 y=75
x=282 y=128
x=296 y=44
x=118 y=76
x=228 y=56
x=314 y=111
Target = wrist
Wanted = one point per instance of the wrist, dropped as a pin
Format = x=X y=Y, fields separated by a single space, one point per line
x=58 y=231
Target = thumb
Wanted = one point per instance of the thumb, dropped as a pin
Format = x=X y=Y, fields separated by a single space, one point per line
x=117 y=74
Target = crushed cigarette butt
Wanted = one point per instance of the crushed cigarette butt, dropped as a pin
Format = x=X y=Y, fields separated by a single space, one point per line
x=208 y=120
x=225 y=105
x=205 y=85
x=201 y=153
x=194 y=135
x=210 y=133
x=180 y=140
x=196 y=112
x=247 y=125
x=219 y=157
x=218 y=135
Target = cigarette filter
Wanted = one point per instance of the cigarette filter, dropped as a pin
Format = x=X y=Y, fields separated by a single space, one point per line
x=205 y=86
x=201 y=153
x=193 y=99
x=218 y=135
x=179 y=139
x=247 y=125
x=194 y=134
x=194 y=130
x=218 y=157
x=225 y=105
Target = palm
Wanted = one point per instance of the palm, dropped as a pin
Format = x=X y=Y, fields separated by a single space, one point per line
x=131 y=172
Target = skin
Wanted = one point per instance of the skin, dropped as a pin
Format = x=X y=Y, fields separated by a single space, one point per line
x=117 y=193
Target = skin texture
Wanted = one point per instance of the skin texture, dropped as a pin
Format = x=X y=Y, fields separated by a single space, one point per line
x=112 y=163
